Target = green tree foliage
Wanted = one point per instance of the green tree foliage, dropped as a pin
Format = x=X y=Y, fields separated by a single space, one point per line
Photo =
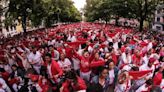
x=20 y=8
x=93 y=10
x=39 y=11
x=138 y=9
x=143 y=9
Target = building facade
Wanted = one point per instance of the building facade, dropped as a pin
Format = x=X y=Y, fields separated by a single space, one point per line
x=159 y=18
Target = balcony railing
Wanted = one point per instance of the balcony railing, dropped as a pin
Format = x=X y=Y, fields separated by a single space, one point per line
x=159 y=23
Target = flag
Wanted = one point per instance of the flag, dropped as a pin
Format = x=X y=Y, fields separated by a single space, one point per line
x=138 y=74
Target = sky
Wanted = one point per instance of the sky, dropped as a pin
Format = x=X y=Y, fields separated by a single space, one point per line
x=79 y=4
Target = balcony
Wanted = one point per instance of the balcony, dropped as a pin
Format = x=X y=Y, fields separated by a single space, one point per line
x=160 y=14
x=159 y=23
x=160 y=6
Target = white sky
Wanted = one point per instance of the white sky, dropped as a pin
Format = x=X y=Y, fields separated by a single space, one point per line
x=79 y=4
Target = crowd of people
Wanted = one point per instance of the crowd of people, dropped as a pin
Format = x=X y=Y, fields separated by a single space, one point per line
x=83 y=57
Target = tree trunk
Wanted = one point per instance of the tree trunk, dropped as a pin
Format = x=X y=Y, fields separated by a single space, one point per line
x=116 y=21
x=141 y=25
x=106 y=21
x=24 y=23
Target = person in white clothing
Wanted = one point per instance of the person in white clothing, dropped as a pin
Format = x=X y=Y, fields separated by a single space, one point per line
x=145 y=87
x=24 y=60
x=64 y=63
x=35 y=59
x=4 y=87
x=124 y=82
x=126 y=57
x=54 y=53
x=162 y=85
x=149 y=66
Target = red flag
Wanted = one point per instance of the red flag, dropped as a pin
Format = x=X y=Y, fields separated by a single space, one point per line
x=157 y=79
x=111 y=34
x=132 y=42
x=81 y=39
x=102 y=45
x=75 y=44
x=97 y=63
x=143 y=44
x=14 y=80
x=33 y=77
x=138 y=74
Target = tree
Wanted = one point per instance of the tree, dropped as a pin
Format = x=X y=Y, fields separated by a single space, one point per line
x=143 y=9
x=103 y=9
x=39 y=11
x=138 y=9
x=60 y=10
x=121 y=8
x=93 y=10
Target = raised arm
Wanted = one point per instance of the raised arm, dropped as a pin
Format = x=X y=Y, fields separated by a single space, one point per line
x=19 y=56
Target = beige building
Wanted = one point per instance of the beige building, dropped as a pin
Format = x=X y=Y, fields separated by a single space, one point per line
x=159 y=18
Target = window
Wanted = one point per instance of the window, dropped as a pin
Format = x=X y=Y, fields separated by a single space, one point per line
x=7 y=29
x=11 y=27
x=158 y=27
x=158 y=11
x=158 y=19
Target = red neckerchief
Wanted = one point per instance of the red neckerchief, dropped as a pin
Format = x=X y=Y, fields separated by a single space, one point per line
x=53 y=53
x=163 y=87
x=127 y=86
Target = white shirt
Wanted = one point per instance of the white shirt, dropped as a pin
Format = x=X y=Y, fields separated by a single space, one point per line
x=142 y=88
x=73 y=39
x=115 y=46
x=126 y=58
x=4 y=85
x=93 y=37
x=8 y=68
x=111 y=76
x=162 y=85
x=90 y=49
x=56 y=55
x=80 y=52
x=1 y=90
x=127 y=67
x=53 y=42
x=76 y=63
x=64 y=63
x=122 y=87
x=36 y=58
x=49 y=70
x=145 y=59
x=145 y=67
x=150 y=46
x=38 y=88
x=11 y=61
